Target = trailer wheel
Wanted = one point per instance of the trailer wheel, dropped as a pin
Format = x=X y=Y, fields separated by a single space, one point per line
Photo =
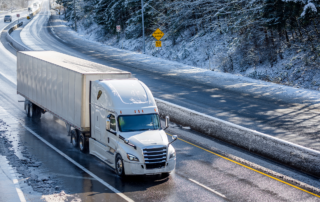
x=120 y=166
x=34 y=111
x=27 y=108
x=31 y=110
x=83 y=143
x=74 y=138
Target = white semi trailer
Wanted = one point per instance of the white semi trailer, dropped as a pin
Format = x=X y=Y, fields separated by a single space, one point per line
x=107 y=112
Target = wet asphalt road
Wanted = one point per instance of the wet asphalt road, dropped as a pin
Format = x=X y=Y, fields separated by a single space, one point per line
x=196 y=167
x=292 y=122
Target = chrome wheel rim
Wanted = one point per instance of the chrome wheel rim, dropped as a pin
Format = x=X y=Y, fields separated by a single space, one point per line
x=81 y=144
x=73 y=140
x=30 y=111
x=119 y=167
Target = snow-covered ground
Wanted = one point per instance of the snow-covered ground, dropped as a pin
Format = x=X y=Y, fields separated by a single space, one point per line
x=35 y=182
x=211 y=51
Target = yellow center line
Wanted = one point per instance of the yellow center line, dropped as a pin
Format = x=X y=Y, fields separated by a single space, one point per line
x=291 y=185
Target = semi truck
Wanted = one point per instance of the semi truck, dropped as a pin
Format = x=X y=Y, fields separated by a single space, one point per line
x=107 y=112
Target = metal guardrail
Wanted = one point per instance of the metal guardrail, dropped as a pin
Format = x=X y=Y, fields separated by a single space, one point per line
x=14 y=43
x=301 y=158
x=34 y=13
x=15 y=27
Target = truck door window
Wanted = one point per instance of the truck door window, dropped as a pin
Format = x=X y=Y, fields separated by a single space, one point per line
x=113 y=125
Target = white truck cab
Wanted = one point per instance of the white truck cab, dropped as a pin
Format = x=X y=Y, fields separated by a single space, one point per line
x=126 y=131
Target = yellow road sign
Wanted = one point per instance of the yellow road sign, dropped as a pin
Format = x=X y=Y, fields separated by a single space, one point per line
x=158 y=34
x=158 y=44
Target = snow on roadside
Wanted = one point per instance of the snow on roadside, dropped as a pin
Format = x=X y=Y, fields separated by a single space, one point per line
x=34 y=182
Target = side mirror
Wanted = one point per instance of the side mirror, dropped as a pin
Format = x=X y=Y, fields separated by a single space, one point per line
x=108 y=124
x=167 y=122
x=174 y=138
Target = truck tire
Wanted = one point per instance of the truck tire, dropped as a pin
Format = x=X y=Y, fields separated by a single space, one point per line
x=34 y=111
x=27 y=108
x=74 y=138
x=120 y=166
x=83 y=143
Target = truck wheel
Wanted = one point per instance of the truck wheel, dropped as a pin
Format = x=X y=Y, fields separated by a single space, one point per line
x=27 y=108
x=31 y=110
x=34 y=111
x=74 y=138
x=83 y=143
x=120 y=166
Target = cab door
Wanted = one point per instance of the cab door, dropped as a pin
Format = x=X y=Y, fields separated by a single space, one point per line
x=111 y=135
x=96 y=119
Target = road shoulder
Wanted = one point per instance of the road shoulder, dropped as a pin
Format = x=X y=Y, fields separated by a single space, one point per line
x=8 y=189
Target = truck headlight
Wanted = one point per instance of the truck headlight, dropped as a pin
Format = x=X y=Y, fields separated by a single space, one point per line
x=172 y=155
x=132 y=157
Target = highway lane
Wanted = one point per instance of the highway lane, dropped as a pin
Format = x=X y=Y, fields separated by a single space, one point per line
x=200 y=175
x=292 y=122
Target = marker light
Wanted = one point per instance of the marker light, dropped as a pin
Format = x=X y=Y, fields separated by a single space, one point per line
x=139 y=111
x=135 y=111
x=155 y=109
x=120 y=112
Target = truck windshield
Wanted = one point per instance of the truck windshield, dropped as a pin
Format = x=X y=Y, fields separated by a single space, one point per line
x=139 y=122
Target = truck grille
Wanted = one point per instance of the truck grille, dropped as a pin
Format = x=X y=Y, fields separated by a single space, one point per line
x=155 y=157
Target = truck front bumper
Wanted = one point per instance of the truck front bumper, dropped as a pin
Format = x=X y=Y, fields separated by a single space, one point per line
x=132 y=168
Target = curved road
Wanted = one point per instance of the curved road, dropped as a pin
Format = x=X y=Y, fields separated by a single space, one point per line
x=200 y=175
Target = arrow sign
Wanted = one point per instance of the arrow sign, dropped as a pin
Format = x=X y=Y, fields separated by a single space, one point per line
x=158 y=34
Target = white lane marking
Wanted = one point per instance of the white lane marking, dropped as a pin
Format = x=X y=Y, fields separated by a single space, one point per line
x=208 y=188
x=78 y=165
x=71 y=160
x=16 y=184
x=9 y=169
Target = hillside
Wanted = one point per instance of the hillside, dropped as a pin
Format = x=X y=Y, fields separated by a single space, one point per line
x=271 y=40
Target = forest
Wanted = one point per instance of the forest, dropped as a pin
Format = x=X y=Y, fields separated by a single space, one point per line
x=255 y=32
x=12 y=4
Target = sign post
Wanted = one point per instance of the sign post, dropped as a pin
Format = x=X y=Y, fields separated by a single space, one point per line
x=142 y=14
x=118 y=28
x=18 y=16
